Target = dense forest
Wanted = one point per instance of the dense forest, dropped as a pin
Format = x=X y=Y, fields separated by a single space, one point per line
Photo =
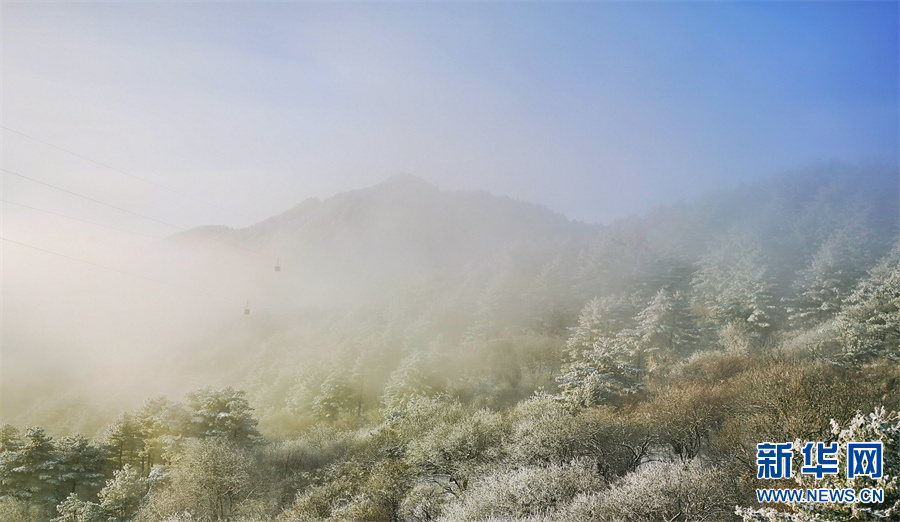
x=480 y=358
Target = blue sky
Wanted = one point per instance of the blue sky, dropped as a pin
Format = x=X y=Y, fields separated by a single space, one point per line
x=596 y=110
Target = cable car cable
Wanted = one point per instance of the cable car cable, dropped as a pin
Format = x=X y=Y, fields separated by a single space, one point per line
x=187 y=288
x=231 y=245
x=79 y=219
x=92 y=199
x=120 y=171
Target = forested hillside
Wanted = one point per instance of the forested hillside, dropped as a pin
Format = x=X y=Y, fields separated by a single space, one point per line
x=435 y=355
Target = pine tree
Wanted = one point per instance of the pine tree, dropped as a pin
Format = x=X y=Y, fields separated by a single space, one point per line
x=616 y=258
x=870 y=322
x=835 y=269
x=163 y=423
x=79 y=466
x=73 y=509
x=602 y=362
x=10 y=438
x=224 y=414
x=30 y=472
x=605 y=372
x=412 y=378
x=600 y=318
x=122 y=495
x=549 y=297
x=125 y=440
x=666 y=330
x=119 y=500
x=733 y=286
x=336 y=396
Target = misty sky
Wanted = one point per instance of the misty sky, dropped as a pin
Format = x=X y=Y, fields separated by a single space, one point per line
x=595 y=110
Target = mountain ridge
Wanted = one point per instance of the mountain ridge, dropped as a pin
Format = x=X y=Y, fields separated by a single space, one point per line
x=405 y=229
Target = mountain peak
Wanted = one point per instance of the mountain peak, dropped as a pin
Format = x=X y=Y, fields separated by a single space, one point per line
x=407 y=183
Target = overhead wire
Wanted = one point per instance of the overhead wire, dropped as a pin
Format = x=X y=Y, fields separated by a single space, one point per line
x=140 y=178
x=121 y=209
x=79 y=219
x=123 y=172
x=183 y=229
x=92 y=199
x=181 y=287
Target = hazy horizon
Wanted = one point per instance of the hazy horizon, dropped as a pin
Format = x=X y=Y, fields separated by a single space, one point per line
x=123 y=124
x=597 y=111
x=442 y=261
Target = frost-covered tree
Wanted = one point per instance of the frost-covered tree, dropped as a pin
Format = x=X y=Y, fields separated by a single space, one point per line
x=825 y=283
x=163 y=423
x=457 y=450
x=223 y=414
x=733 y=286
x=879 y=426
x=119 y=500
x=605 y=372
x=79 y=466
x=602 y=361
x=617 y=256
x=599 y=318
x=124 y=439
x=549 y=298
x=336 y=397
x=30 y=472
x=212 y=479
x=424 y=502
x=547 y=431
x=870 y=322
x=123 y=493
x=491 y=309
x=73 y=509
x=10 y=438
x=659 y=491
x=687 y=418
x=529 y=490
x=665 y=329
x=412 y=378
x=43 y=472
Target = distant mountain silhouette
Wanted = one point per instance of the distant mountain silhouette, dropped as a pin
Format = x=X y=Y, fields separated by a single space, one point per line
x=403 y=265
x=369 y=241
x=403 y=227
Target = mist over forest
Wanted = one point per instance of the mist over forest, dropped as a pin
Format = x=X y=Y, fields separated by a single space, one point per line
x=416 y=267
x=427 y=354
x=449 y=261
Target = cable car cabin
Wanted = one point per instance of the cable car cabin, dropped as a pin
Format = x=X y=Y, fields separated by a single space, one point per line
x=247 y=309
x=278 y=265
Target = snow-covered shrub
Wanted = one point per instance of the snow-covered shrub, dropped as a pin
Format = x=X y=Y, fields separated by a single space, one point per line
x=656 y=492
x=523 y=492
